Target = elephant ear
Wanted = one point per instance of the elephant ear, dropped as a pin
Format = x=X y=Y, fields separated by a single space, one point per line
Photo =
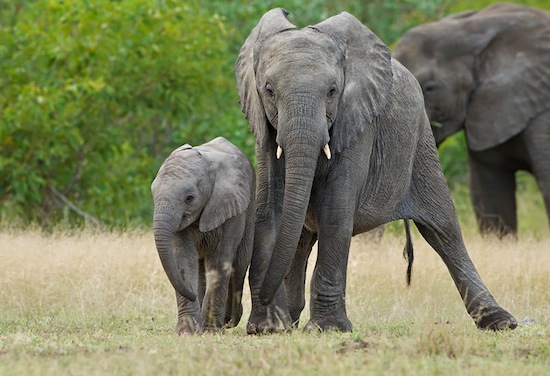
x=513 y=75
x=271 y=23
x=181 y=148
x=368 y=77
x=233 y=183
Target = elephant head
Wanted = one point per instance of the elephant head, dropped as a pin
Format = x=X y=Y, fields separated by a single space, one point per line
x=487 y=71
x=196 y=186
x=308 y=95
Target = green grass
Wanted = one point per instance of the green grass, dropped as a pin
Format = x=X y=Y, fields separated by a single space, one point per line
x=93 y=303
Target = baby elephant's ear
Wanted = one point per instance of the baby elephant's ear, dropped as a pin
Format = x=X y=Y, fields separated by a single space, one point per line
x=368 y=77
x=181 y=148
x=231 y=193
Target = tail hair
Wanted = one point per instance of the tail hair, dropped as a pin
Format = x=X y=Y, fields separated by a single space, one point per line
x=408 y=252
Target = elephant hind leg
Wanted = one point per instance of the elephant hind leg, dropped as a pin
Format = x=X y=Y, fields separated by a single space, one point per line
x=233 y=306
x=480 y=304
x=432 y=210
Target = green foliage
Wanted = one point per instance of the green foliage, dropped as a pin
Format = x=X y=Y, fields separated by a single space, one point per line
x=95 y=94
x=387 y=18
x=461 y=5
x=452 y=155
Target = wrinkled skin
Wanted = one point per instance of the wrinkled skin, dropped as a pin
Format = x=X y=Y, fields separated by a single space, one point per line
x=204 y=227
x=335 y=83
x=488 y=72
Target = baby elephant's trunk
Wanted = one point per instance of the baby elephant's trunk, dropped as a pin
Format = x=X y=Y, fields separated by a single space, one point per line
x=164 y=234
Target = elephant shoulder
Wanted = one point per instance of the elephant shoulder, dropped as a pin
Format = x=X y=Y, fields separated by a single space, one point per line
x=407 y=109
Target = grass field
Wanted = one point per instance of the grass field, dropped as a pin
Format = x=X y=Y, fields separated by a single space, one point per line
x=85 y=303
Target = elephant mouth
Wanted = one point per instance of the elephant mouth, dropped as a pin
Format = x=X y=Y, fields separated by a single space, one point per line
x=439 y=122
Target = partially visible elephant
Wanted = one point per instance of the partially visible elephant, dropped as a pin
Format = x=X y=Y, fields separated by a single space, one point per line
x=204 y=226
x=488 y=72
x=343 y=145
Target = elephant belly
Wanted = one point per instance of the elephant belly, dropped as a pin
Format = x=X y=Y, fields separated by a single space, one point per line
x=371 y=216
x=310 y=222
x=364 y=221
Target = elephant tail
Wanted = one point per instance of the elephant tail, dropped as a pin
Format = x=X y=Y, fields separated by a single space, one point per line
x=408 y=252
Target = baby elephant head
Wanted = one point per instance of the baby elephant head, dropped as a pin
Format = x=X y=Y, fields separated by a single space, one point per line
x=199 y=187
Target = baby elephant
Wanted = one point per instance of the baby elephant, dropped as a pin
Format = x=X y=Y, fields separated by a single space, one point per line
x=204 y=229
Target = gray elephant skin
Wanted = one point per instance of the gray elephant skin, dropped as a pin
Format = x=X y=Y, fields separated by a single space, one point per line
x=343 y=145
x=488 y=72
x=204 y=226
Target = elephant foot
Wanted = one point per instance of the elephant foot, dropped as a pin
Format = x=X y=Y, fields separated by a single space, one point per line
x=270 y=319
x=213 y=329
x=232 y=318
x=188 y=326
x=341 y=324
x=231 y=324
x=495 y=319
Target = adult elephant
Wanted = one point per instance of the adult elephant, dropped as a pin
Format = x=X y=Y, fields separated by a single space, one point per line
x=488 y=72
x=343 y=145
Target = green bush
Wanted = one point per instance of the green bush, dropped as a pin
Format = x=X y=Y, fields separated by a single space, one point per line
x=95 y=94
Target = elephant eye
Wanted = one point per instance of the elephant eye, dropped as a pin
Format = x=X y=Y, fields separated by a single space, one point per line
x=189 y=199
x=269 y=91
x=331 y=93
x=430 y=87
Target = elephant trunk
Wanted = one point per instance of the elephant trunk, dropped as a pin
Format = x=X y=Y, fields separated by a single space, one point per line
x=301 y=151
x=164 y=230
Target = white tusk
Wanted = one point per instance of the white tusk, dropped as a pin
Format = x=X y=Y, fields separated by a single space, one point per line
x=279 y=152
x=326 y=150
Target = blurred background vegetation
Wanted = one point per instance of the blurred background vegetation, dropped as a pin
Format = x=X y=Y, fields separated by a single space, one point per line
x=95 y=95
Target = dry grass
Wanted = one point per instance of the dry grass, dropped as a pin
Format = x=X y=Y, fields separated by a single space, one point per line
x=100 y=303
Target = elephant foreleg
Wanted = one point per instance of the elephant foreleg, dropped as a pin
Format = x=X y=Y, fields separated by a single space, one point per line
x=537 y=140
x=189 y=320
x=543 y=181
x=218 y=269
x=275 y=316
x=328 y=284
x=492 y=191
x=270 y=181
x=295 y=281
